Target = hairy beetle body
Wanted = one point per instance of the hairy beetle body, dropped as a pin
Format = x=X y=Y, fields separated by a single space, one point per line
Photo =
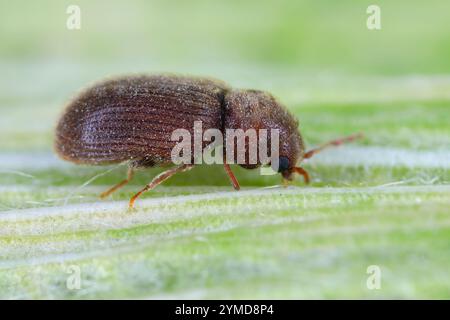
x=132 y=119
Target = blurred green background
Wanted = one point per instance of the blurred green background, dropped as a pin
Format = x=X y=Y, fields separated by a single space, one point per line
x=300 y=35
x=382 y=201
x=304 y=52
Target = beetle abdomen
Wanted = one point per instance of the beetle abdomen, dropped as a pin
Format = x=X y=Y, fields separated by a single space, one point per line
x=132 y=118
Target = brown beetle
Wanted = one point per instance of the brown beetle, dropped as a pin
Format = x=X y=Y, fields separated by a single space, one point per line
x=132 y=118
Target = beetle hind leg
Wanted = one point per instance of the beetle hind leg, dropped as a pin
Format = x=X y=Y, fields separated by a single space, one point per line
x=122 y=183
x=159 y=179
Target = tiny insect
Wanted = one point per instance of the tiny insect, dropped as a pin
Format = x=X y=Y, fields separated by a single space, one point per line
x=131 y=119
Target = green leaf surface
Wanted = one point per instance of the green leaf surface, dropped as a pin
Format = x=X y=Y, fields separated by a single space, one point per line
x=381 y=201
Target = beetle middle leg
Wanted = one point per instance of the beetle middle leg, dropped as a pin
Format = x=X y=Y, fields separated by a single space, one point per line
x=122 y=183
x=163 y=176
x=230 y=174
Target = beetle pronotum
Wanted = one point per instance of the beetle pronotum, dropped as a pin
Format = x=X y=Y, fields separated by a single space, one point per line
x=130 y=119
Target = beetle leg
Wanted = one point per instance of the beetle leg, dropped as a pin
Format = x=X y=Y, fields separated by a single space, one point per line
x=302 y=172
x=159 y=179
x=119 y=185
x=230 y=174
x=336 y=142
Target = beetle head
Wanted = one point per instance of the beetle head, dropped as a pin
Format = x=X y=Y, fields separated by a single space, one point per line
x=254 y=109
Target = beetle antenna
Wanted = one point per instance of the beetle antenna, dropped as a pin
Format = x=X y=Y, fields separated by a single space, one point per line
x=332 y=143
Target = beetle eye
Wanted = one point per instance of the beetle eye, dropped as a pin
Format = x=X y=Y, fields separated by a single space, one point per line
x=283 y=164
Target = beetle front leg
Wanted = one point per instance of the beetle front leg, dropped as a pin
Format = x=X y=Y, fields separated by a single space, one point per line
x=159 y=179
x=303 y=173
